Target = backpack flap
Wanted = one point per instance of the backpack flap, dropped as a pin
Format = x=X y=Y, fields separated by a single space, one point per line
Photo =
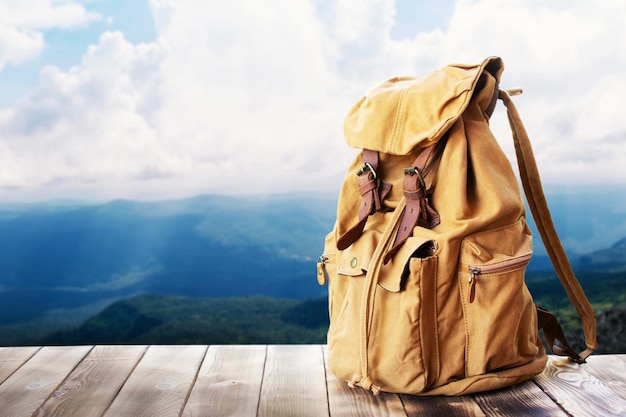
x=405 y=112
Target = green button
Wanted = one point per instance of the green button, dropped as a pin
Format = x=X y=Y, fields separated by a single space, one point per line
x=353 y=262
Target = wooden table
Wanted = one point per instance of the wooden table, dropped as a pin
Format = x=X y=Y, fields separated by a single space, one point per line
x=274 y=380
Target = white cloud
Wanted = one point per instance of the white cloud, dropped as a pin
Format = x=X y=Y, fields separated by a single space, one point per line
x=239 y=96
x=18 y=45
x=251 y=97
x=565 y=57
x=91 y=122
x=45 y=14
x=22 y=23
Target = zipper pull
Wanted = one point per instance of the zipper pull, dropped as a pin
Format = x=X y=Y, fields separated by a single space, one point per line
x=321 y=269
x=474 y=271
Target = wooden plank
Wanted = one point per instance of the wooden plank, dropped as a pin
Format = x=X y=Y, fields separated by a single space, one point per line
x=464 y=406
x=92 y=386
x=294 y=383
x=521 y=400
x=159 y=385
x=23 y=392
x=292 y=380
x=11 y=358
x=610 y=369
x=344 y=401
x=229 y=382
x=579 y=392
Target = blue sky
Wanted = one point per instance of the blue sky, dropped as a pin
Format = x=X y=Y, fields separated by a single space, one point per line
x=65 y=46
x=155 y=99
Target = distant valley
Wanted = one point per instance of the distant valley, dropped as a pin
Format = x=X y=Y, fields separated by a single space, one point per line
x=63 y=262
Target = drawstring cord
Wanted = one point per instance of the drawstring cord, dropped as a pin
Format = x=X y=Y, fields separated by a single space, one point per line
x=366 y=383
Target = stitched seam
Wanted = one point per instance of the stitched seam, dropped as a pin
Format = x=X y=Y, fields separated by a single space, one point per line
x=399 y=121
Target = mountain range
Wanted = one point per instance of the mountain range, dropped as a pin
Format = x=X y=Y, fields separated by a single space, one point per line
x=62 y=262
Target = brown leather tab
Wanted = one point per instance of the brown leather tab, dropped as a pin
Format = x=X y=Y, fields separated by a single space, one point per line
x=373 y=192
x=368 y=184
x=418 y=209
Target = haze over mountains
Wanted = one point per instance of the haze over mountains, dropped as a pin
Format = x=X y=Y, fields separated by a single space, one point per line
x=208 y=245
x=62 y=262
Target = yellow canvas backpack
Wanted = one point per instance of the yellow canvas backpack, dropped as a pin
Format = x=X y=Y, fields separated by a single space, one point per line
x=426 y=261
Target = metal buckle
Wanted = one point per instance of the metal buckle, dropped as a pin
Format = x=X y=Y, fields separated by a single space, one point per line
x=363 y=169
x=415 y=171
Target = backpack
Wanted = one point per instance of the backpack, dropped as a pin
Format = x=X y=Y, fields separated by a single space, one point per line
x=425 y=264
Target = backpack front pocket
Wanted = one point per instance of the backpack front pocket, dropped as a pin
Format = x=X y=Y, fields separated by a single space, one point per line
x=403 y=332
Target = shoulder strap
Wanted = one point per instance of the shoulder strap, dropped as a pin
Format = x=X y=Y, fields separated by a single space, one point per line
x=533 y=189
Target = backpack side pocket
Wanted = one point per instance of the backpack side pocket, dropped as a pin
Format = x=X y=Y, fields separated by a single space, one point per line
x=499 y=312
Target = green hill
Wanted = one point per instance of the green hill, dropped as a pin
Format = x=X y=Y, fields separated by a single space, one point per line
x=606 y=290
x=166 y=319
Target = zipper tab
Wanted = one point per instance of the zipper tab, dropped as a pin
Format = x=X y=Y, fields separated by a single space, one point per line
x=497 y=268
x=474 y=272
x=321 y=269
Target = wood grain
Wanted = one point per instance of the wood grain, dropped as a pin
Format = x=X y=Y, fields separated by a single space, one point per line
x=11 y=358
x=526 y=400
x=441 y=406
x=344 y=401
x=160 y=383
x=36 y=380
x=579 y=392
x=193 y=381
x=91 y=387
x=610 y=369
x=294 y=382
x=229 y=382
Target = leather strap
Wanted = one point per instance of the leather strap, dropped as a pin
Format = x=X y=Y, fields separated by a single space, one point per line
x=373 y=192
x=418 y=210
x=533 y=189
x=553 y=332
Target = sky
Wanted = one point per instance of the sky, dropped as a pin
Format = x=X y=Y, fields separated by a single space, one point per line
x=159 y=99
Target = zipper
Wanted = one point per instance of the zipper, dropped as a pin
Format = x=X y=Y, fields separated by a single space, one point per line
x=321 y=269
x=497 y=268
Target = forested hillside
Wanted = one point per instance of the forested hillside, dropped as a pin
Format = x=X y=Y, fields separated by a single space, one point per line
x=163 y=319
